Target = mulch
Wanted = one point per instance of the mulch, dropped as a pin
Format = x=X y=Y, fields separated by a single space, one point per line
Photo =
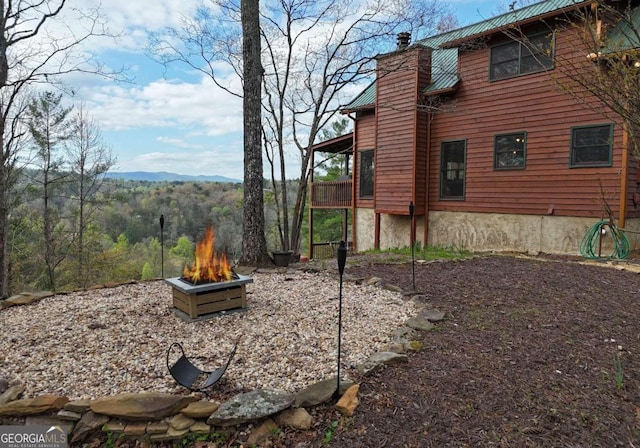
x=533 y=352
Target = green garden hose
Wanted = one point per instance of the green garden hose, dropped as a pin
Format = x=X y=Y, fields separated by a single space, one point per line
x=590 y=245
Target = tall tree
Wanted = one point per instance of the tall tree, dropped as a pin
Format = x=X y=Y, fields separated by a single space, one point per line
x=35 y=47
x=254 y=246
x=49 y=127
x=89 y=158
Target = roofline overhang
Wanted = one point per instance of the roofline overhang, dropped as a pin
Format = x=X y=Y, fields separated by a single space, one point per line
x=335 y=145
x=457 y=42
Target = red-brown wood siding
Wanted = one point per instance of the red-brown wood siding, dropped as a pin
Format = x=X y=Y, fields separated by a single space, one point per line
x=365 y=138
x=397 y=181
x=533 y=104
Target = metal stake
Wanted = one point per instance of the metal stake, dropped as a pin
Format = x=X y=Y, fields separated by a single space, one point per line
x=412 y=238
x=342 y=259
x=162 y=244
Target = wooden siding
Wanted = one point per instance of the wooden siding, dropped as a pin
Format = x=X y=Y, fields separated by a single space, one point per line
x=533 y=104
x=400 y=76
x=365 y=139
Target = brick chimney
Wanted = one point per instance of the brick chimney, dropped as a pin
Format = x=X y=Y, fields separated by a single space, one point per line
x=403 y=40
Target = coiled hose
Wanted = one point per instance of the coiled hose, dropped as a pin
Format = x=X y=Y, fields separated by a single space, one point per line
x=590 y=245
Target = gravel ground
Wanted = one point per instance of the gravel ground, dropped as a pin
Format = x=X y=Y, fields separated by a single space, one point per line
x=115 y=340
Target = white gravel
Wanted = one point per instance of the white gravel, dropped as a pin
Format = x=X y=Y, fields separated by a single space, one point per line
x=115 y=340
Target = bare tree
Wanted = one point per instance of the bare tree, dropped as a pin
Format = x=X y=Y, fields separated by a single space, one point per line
x=36 y=47
x=314 y=51
x=602 y=70
x=88 y=159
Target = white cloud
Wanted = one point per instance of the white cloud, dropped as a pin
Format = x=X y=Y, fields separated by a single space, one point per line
x=166 y=104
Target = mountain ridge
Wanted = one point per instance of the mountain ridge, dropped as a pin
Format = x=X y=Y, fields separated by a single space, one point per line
x=164 y=176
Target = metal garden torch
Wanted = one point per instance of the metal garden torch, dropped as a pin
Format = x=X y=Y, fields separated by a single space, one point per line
x=342 y=259
x=162 y=244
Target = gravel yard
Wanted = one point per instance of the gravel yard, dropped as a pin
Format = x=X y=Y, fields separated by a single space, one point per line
x=114 y=340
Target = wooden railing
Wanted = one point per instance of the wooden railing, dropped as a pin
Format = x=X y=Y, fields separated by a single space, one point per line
x=332 y=194
x=323 y=251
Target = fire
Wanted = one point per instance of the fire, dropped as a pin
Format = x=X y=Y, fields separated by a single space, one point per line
x=208 y=266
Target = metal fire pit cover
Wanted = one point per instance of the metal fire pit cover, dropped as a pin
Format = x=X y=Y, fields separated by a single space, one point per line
x=188 y=288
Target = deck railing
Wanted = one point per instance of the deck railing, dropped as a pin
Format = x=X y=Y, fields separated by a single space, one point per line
x=331 y=194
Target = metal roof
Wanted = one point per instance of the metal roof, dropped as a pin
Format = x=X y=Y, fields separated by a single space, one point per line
x=445 y=55
x=625 y=34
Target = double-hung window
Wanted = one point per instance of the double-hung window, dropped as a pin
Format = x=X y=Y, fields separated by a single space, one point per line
x=532 y=54
x=509 y=151
x=591 y=145
x=452 y=164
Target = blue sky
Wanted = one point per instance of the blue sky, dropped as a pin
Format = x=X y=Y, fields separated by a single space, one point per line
x=174 y=120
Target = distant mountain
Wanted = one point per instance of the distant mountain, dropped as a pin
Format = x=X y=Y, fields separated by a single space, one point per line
x=163 y=176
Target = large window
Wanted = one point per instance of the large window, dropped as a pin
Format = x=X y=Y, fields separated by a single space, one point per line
x=591 y=145
x=515 y=58
x=366 y=174
x=452 y=159
x=509 y=151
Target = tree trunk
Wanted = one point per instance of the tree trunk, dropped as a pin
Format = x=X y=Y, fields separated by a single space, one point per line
x=254 y=244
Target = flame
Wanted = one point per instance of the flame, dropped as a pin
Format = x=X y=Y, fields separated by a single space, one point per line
x=208 y=266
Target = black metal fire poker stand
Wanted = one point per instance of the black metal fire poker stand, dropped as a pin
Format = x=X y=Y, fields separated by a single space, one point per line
x=162 y=244
x=412 y=238
x=342 y=259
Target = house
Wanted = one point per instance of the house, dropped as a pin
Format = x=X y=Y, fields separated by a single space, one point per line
x=474 y=130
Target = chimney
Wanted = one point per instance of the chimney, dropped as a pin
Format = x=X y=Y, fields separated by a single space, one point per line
x=403 y=40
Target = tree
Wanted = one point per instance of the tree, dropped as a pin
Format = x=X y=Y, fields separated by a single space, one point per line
x=88 y=158
x=313 y=51
x=254 y=245
x=49 y=127
x=35 y=47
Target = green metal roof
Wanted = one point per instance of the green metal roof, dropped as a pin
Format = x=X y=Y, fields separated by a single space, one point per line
x=445 y=60
x=625 y=34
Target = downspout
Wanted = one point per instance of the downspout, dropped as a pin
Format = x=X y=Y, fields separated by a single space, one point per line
x=624 y=173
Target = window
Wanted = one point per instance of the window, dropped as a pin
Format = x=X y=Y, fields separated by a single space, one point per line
x=591 y=145
x=520 y=58
x=452 y=159
x=366 y=174
x=509 y=151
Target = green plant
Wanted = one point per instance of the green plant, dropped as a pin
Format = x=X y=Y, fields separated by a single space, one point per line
x=328 y=434
x=112 y=438
x=617 y=362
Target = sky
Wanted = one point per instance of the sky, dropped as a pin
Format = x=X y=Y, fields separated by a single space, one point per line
x=172 y=119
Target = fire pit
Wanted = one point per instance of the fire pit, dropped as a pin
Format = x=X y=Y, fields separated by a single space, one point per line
x=210 y=285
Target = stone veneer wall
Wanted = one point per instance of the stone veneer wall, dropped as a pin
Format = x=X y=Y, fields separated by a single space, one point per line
x=482 y=232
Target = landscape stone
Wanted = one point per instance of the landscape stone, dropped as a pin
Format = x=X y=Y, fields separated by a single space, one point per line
x=373 y=281
x=349 y=401
x=420 y=323
x=31 y=406
x=135 y=429
x=392 y=288
x=404 y=334
x=89 y=422
x=114 y=426
x=319 y=392
x=141 y=406
x=181 y=422
x=11 y=393
x=4 y=383
x=395 y=347
x=200 y=409
x=69 y=416
x=250 y=406
x=200 y=428
x=432 y=315
x=176 y=433
x=388 y=358
x=262 y=433
x=297 y=418
x=157 y=427
x=80 y=406
x=48 y=420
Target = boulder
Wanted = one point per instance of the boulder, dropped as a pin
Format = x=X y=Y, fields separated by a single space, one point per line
x=297 y=418
x=349 y=401
x=251 y=406
x=32 y=406
x=88 y=423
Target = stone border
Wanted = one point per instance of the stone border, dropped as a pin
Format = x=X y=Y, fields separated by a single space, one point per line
x=162 y=417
